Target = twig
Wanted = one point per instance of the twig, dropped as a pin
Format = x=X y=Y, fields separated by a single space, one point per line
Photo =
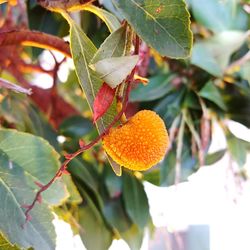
x=8 y=85
x=36 y=39
x=63 y=169
x=179 y=151
x=70 y=157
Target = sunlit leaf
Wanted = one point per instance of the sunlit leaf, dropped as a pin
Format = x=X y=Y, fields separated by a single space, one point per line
x=111 y=21
x=163 y=24
x=5 y=245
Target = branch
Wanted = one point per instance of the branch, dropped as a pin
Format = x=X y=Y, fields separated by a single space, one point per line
x=63 y=169
x=35 y=39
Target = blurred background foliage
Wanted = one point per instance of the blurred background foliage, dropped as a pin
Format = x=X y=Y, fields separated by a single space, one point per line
x=212 y=85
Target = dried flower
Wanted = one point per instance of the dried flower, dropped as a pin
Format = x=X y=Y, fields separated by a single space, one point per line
x=140 y=143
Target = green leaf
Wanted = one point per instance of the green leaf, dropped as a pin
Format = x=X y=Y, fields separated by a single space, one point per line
x=111 y=21
x=14 y=192
x=157 y=87
x=112 y=182
x=114 y=70
x=113 y=46
x=74 y=195
x=152 y=176
x=83 y=50
x=214 y=157
x=245 y=71
x=237 y=149
x=28 y=118
x=167 y=167
x=210 y=92
x=79 y=169
x=116 y=215
x=75 y=126
x=38 y=160
x=94 y=234
x=163 y=24
x=213 y=54
x=226 y=16
x=6 y=245
x=133 y=236
x=170 y=106
x=135 y=200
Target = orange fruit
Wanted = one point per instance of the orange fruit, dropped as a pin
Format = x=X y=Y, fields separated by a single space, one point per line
x=140 y=143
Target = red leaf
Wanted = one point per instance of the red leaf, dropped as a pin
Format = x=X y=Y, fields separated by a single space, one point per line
x=103 y=100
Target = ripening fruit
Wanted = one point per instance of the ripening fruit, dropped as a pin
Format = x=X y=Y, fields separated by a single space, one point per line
x=140 y=143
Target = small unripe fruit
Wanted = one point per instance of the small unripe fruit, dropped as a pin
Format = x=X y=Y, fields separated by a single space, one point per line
x=140 y=143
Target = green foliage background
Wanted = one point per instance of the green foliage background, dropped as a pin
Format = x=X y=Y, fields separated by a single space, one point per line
x=189 y=89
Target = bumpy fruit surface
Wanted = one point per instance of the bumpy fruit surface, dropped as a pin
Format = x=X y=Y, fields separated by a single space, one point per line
x=140 y=143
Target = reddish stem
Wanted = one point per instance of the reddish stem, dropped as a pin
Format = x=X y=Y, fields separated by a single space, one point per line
x=70 y=157
x=36 y=39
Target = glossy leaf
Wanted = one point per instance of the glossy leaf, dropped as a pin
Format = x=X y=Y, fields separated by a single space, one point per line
x=15 y=192
x=157 y=87
x=135 y=200
x=103 y=100
x=210 y=92
x=163 y=24
x=83 y=50
x=38 y=160
x=114 y=70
